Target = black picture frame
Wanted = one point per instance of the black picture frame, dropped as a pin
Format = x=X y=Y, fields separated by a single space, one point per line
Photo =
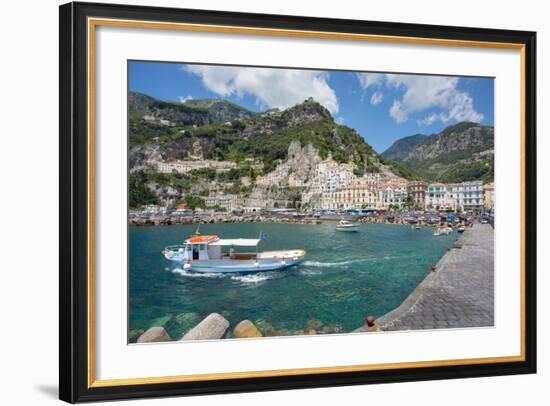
x=74 y=384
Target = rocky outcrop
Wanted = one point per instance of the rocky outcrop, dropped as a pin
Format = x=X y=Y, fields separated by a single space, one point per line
x=154 y=335
x=454 y=139
x=302 y=161
x=246 y=329
x=213 y=327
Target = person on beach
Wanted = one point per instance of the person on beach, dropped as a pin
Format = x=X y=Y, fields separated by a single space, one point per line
x=370 y=326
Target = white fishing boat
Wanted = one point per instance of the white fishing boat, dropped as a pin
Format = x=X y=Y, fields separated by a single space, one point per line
x=204 y=253
x=344 y=225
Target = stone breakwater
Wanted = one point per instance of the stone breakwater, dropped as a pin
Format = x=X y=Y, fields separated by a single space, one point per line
x=168 y=220
x=182 y=327
x=459 y=292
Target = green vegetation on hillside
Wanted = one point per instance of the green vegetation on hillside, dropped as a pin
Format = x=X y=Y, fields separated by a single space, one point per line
x=142 y=132
x=139 y=193
x=399 y=169
x=260 y=137
x=454 y=154
x=448 y=169
x=327 y=137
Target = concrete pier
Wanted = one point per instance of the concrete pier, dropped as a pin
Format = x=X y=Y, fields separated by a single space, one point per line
x=460 y=293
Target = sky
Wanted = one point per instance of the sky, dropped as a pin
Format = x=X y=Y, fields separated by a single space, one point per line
x=382 y=107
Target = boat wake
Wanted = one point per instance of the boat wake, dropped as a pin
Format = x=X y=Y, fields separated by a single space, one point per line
x=245 y=279
x=188 y=274
x=310 y=272
x=318 y=264
x=253 y=278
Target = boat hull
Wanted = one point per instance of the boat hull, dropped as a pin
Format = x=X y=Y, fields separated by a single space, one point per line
x=353 y=229
x=241 y=263
x=241 y=266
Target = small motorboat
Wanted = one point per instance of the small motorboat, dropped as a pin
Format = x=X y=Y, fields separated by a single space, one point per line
x=344 y=225
x=203 y=253
x=437 y=233
x=461 y=229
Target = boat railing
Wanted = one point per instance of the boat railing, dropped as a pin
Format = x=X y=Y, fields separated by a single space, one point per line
x=174 y=252
x=174 y=247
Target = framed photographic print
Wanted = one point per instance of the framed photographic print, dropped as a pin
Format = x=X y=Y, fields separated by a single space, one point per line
x=257 y=202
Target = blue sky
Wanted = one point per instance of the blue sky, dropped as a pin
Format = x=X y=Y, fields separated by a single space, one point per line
x=381 y=107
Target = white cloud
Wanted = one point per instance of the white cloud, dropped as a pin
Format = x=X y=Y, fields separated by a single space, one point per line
x=376 y=98
x=422 y=93
x=429 y=120
x=279 y=88
x=367 y=80
x=184 y=99
x=429 y=92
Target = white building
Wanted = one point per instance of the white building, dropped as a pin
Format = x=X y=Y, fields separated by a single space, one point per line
x=356 y=196
x=184 y=167
x=394 y=196
x=330 y=175
x=228 y=202
x=473 y=195
x=438 y=197
x=466 y=195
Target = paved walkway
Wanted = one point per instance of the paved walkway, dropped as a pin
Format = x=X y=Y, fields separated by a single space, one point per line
x=459 y=294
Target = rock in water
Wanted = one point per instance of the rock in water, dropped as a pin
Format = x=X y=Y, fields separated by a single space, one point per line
x=154 y=335
x=133 y=335
x=329 y=329
x=314 y=324
x=212 y=327
x=181 y=323
x=246 y=329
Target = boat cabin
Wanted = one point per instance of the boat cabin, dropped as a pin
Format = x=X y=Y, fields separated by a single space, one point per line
x=209 y=247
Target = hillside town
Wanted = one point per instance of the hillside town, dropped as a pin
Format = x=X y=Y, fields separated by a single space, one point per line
x=323 y=185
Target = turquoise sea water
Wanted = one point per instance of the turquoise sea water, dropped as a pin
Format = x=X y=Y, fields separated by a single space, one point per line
x=346 y=276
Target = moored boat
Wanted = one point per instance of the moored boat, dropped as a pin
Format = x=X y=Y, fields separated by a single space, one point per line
x=344 y=225
x=204 y=253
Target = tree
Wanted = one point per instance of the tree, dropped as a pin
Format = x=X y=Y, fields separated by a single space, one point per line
x=409 y=202
x=139 y=192
x=194 y=202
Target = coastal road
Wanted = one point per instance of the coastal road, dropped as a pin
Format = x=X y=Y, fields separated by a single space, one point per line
x=460 y=293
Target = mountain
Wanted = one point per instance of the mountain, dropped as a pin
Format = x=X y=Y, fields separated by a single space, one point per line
x=221 y=130
x=198 y=112
x=402 y=147
x=464 y=151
